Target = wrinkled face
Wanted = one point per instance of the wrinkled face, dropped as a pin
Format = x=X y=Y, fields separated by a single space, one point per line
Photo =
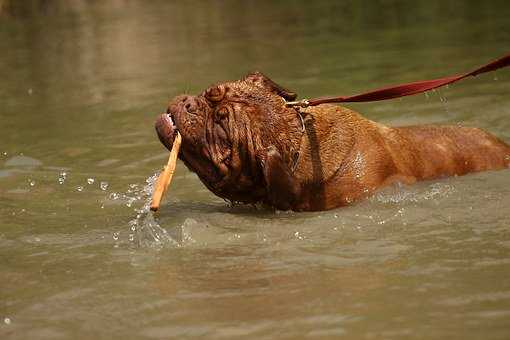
x=223 y=130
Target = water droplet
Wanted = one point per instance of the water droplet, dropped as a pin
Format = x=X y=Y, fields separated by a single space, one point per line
x=116 y=235
x=130 y=201
x=131 y=237
x=103 y=185
x=32 y=183
x=7 y=321
x=79 y=188
x=90 y=180
x=30 y=91
x=62 y=177
x=336 y=215
x=5 y=153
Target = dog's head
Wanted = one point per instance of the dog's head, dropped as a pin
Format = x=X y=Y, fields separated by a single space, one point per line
x=226 y=127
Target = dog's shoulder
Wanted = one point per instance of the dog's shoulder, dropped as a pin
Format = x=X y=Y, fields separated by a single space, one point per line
x=329 y=136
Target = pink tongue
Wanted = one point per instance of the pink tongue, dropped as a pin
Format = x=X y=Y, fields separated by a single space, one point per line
x=166 y=130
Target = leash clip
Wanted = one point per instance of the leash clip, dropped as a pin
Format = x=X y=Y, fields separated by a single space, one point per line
x=301 y=103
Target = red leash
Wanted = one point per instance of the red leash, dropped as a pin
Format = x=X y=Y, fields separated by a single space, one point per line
x=404 y=89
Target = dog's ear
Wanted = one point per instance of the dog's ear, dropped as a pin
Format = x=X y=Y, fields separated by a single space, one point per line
x=261 y=80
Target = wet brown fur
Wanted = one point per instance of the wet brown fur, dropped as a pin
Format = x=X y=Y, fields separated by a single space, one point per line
x=357 y=156
x=317 y=158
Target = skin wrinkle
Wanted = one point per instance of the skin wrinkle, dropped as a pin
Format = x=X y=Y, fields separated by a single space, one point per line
x=235 y=157
x=251 y=151
x=212 y=143
x=317 y=172
x=340 y=157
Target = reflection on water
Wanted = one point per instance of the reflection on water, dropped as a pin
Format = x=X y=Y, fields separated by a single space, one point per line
x=81 y=255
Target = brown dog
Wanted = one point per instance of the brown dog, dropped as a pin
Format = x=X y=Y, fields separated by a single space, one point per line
x=247 y=146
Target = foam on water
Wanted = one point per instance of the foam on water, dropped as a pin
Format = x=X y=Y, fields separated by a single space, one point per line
x=399 y=193
x=221 y=227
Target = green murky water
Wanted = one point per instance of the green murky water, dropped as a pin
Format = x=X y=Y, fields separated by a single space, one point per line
x=81 y=84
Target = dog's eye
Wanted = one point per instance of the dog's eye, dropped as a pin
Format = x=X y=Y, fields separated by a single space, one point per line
x=215 y=93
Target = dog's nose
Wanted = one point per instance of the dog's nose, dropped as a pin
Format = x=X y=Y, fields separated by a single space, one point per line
x=190 y=104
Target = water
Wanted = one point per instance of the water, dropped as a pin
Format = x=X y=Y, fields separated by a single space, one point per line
x=81 y=256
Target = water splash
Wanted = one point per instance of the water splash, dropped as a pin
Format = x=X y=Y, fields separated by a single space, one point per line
x=103 y=185
x=144 y=229
x=444 y=101
x=399 y=193
x=62 y=176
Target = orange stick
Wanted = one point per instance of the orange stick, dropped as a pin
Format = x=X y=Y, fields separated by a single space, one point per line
x=165 y=177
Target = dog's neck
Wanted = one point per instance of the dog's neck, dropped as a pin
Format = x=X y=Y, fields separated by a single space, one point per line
x=325 y=142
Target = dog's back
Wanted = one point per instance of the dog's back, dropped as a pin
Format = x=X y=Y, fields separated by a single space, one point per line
x=346 y=157
x=439 y=151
